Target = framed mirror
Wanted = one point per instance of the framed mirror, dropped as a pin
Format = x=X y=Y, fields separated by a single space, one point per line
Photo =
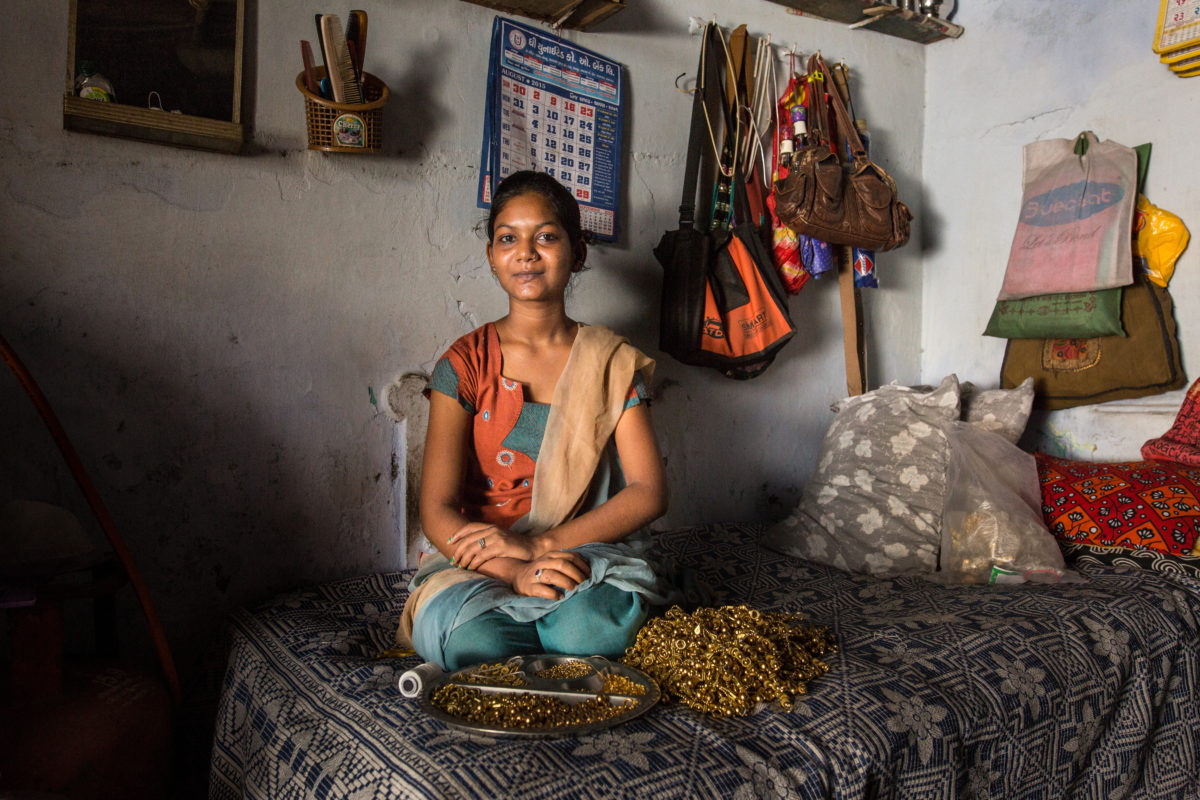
x=172 y=68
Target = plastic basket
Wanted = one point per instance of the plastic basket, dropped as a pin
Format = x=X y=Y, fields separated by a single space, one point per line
x=345 y=127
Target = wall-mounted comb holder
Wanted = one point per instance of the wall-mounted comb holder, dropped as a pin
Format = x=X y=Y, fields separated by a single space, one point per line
x=345 y=127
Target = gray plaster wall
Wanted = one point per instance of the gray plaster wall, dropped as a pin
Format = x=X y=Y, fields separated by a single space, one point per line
x=218 y=333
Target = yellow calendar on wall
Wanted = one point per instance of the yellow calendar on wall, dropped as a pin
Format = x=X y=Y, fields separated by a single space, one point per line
x=1181 y=55
x=1178 y=26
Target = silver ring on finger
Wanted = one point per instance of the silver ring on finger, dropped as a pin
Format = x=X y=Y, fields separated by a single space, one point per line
x=537 y=575
x=482 y=542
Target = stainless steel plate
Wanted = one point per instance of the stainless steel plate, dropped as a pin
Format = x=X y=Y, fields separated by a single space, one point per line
x=571 y=690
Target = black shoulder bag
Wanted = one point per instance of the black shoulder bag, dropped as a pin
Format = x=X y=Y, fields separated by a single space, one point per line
x=723 y=304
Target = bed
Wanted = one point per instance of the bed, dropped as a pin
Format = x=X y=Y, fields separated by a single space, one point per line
x=1088 y=687
x=1085 y=689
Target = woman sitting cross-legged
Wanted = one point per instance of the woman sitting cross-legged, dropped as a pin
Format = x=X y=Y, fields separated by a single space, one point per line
x=540 y=461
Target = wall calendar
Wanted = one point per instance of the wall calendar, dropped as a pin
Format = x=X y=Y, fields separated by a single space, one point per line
x=555 y=107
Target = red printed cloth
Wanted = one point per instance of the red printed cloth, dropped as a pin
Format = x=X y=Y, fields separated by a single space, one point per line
x=1182 y=442
x=1135 y=505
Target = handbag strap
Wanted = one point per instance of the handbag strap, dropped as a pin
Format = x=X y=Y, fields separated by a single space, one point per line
x=846 y=127
x=841 y=82
x=695 y=151
x=708 y=74
x=745 y=198
x=729 y=93
x=814 y=101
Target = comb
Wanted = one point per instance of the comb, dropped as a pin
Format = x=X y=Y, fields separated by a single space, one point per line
x=338 y=65
x=358 y=78
x=320 y=38
x=356 y=31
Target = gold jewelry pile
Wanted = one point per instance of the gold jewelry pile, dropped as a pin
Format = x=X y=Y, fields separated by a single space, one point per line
x=619 y=684
x=727 y=660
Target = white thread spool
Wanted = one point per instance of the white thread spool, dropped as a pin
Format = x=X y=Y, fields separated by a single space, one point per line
x=414 y=681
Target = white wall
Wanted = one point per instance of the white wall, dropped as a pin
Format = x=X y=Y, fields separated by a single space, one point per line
x=212 y=329
x=1027 y=70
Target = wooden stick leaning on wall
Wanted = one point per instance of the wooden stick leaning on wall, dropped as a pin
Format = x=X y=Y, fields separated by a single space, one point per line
x=853 y=340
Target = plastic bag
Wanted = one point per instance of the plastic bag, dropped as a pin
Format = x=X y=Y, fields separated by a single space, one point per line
x=785 y=251
x=1077 y=202
x=1159 y=239
x=816 y=256
x=992 y=525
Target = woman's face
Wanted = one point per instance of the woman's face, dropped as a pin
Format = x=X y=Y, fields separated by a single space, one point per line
x=530 y=252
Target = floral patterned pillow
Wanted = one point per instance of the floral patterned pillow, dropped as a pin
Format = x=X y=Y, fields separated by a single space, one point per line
x=874 y=502
x=1002 y=411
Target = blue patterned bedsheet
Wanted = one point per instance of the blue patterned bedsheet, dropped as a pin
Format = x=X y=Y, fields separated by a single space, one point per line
x=1071 y=691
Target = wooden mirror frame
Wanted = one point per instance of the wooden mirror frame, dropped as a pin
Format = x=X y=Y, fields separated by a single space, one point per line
x=146 y=124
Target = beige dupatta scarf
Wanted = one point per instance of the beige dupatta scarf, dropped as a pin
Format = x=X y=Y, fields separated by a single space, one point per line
x=589 y=399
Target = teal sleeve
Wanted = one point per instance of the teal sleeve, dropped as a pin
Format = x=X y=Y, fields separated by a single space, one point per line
x=445 y=381
x=641 y=391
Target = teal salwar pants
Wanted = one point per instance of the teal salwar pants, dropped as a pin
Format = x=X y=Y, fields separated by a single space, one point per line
x=599 y=620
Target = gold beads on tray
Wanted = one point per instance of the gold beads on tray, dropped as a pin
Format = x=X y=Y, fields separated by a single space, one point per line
x=518 y=710
x=566 y=670
x=619 y=684
x=503 y=674
x=504 y=696
x=728 y=660
x=724 y=661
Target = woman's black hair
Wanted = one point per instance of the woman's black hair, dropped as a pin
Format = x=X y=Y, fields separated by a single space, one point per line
x=566 y=207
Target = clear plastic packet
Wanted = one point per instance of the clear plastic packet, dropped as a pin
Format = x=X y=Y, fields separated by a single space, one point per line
x=992 y=525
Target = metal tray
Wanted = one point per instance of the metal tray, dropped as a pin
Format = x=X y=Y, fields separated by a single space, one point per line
x=571 y=690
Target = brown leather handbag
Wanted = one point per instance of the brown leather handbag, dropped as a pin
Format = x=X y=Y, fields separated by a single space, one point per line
x=853 y=204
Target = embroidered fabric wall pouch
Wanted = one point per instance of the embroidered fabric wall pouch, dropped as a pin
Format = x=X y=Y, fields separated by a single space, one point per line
x=1070 y=315
x=1072 y=372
